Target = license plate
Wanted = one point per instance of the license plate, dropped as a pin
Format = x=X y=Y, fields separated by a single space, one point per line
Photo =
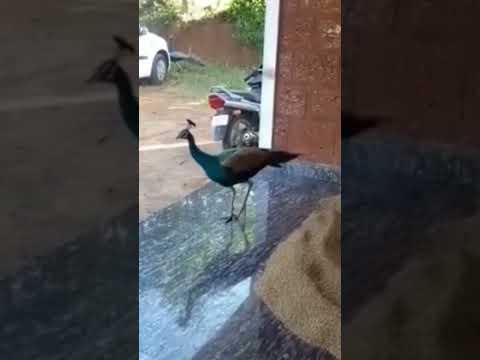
x=220 y=120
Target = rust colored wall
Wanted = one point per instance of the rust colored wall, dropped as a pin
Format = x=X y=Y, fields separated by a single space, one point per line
x=214 y=42
x=429 y=89
x=308 y=93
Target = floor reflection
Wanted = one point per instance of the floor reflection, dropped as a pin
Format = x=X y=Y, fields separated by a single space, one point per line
x=196 y=272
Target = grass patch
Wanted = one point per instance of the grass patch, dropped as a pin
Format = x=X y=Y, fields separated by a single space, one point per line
x=195 y=81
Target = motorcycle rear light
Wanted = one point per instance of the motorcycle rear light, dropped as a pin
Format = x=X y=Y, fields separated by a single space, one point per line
x=215 y=102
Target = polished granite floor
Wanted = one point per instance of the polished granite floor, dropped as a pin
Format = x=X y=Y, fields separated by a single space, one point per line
x=197 y=273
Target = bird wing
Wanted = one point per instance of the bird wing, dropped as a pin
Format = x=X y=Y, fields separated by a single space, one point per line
x=224 y=155
x=246 y=159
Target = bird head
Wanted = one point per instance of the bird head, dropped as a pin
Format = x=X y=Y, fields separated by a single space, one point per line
x=185 y=133
x=108 y=70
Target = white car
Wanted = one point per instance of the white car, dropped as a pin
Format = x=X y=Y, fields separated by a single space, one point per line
x=154 y=57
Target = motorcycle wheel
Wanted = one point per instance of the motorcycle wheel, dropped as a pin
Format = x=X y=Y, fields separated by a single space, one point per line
x=236 y=130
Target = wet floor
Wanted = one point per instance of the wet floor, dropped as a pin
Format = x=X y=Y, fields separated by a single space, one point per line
x=197 y=273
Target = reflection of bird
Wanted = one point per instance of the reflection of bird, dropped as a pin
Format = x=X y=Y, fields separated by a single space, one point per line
x=352 y=125
x=111 y=72
x=226 y=269
x=234 y=166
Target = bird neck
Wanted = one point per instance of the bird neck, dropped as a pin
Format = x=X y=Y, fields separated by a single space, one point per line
x=123 y=84
x=128 y=101
x=202 y=158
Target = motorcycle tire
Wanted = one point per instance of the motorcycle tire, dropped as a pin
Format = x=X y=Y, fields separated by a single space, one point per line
x=233 y=133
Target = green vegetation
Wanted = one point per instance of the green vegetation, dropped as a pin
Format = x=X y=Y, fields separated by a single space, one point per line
x=249 y=19
x=192 y=10
x=195 y=81
x=158 y=13
x=248 y=16
x=164 y=13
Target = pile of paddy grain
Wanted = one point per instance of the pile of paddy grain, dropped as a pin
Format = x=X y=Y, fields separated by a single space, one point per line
x=301 y=284
x=429 y=309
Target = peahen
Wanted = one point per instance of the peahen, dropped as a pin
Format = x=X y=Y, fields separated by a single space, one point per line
x=234 y=166
x=111 y=72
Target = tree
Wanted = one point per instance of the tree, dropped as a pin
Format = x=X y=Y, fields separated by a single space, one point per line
x=158 y=13
x=249 y=19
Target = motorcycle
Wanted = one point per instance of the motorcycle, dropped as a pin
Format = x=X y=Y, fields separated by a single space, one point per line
x=237 y=113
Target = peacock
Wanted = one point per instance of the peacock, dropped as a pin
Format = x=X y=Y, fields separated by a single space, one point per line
x=111 y=72
x=234 y=166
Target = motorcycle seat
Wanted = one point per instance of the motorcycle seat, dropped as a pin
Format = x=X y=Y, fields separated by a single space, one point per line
x=248 y=96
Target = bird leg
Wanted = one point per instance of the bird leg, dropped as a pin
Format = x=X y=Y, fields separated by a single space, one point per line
x=232 y=215
x=250 y=184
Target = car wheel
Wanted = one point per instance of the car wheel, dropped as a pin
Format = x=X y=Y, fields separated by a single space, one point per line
x=159 y=69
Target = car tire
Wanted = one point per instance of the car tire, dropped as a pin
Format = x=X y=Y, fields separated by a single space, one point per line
x=159 y=69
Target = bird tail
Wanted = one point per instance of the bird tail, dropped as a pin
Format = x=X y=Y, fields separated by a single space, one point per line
x=281 y=157
x=353 y=125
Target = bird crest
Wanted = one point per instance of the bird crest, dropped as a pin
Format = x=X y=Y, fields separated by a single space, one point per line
x=185 y=132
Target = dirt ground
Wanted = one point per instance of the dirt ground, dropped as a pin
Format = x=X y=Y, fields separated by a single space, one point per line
x=167 y=172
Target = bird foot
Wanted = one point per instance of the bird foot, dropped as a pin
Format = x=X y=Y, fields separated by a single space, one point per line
x=230 y=218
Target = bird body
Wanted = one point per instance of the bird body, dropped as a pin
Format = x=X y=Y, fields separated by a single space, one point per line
x=234 y=166
x=239 y=165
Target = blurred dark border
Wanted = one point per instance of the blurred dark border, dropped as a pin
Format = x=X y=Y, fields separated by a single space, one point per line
x=69 y=185
x=410 y=184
